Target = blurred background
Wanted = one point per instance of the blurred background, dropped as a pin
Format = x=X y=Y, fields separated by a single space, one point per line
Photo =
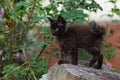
x=27 y=47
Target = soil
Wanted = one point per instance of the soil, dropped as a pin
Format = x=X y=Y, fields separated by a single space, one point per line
x=114 y=39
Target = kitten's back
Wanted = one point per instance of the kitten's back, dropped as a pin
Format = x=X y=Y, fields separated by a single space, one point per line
x=89 y=29
x=82 y=29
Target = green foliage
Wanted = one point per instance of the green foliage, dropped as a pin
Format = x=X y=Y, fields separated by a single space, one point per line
x=34 y=71
x=21 y=16
x=109 y=52
x=115 y=10
x=84 y=55
x=72 y=10
x=18 y=19
x=111 y=31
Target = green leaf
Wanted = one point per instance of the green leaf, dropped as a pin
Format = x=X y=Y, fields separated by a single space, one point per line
x=36 y=19
x=40 y=43
x=110 y=15
x=31 y=1
x=43 y=62
x=67 y=16
x=22 y=46
x=9 y=68
x=1 y=6
x=110 y=52
x=79 y=21
x=44 y=30
x=21 y=3
x=116 y=11
x=112 y=1
x=52 y=52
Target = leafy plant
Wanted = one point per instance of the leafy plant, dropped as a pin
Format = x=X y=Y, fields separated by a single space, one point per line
x=19 y=17
x=114 y=10
x=109 y=52
x=72 y=14
x=32 y=72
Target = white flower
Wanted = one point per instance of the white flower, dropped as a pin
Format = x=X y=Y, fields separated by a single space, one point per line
x=25 y=18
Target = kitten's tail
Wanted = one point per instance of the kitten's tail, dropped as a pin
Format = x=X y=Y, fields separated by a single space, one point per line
x=99 y=31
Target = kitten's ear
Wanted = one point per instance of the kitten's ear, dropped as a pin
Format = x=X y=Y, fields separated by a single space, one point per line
x=61 y=19
x=50 y=19
x=92 y=23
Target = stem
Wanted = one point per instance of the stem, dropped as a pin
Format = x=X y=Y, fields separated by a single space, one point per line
x=25 y=77
x=43 y=48
x=34 y=5
x=1 y=66
x=32 y=72
x=25 y=31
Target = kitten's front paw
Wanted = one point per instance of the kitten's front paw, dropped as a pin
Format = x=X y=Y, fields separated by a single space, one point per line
x=63 y=62
x=97 y=67
x=90 y=64
x=60 y=62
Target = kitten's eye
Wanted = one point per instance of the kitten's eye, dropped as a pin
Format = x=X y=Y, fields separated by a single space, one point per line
x=56 y=29
x=60 y=24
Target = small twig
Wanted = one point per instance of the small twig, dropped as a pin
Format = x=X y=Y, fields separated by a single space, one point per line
x=34 y=5
x=25 y=77
x=32 y=72
x=43 y=48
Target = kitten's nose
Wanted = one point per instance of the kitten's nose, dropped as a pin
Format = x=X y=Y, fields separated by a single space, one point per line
x=52 y=32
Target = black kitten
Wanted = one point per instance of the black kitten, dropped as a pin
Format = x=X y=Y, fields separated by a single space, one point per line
x=70 y=38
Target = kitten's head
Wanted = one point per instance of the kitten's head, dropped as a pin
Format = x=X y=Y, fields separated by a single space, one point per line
x=58 y=26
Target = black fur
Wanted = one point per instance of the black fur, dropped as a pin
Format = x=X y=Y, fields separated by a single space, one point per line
x=70 y=38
